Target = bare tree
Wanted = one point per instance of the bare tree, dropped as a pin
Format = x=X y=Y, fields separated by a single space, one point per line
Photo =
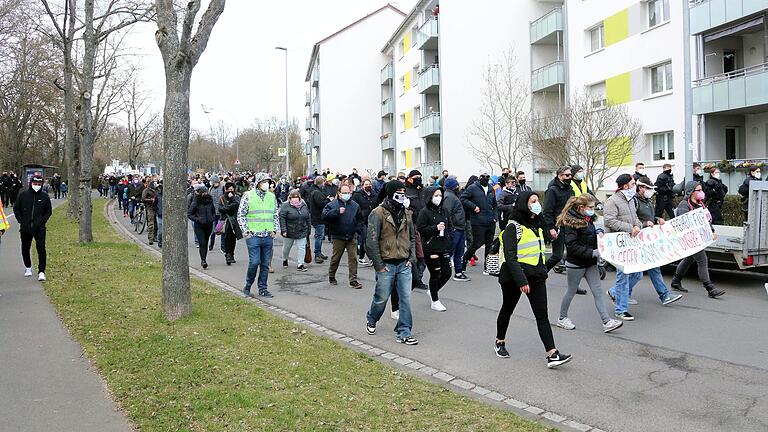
x=501 y=137
x=181 y=50
x=142 y=123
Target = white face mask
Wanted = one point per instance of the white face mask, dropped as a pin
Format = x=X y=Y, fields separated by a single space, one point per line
x=407 y=202
x=36 y=188
x=536 y=208
x=641 y=171
x=264 y=186
x=649 y=193
x=699 y=172
x=757 y=174
x=629 y=193
x=716 y=175
x=437 y=200
x=579 y=176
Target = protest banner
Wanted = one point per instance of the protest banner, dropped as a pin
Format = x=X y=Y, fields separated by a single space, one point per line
x=658 y=245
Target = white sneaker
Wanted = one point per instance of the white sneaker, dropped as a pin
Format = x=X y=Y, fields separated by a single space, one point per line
x=395 y=315
x=565 y=323
x=612 y=325
x=41 y=276
x=437 y=306
x=632 y=301
x=28 y=272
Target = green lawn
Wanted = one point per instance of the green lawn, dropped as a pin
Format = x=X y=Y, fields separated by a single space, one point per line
x=230 y=366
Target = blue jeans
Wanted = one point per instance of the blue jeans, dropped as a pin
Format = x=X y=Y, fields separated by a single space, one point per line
x=399 y=278
x=131 y=208
x=658 y=283
x=620 y=291
x=458 y=243
x=319 y=236
x=159 y=231
x=259 y=256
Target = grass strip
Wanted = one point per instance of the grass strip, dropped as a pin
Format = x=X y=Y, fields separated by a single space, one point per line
x=231 y=366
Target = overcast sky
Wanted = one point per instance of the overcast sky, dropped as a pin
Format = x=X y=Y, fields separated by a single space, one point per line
x=240 y=71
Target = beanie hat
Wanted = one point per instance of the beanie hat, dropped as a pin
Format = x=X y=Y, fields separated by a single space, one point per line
x=215 y=179
x=391 y=187
x=414 y=173
x=198 y=187
x=451 y=183
x=623 y=180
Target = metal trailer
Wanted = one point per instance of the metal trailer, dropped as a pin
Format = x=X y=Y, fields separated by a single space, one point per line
x=745 y=246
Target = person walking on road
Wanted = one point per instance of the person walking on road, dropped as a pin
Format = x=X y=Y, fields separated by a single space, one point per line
x=259 y=221
x=479 y=202
x=4 y=224
x=149 y=198
x=577 y=226
x=665 y=183
x=366 y=199
x=452 y=204
x=523 y=272
x=342 y=217
x=621 y=216
x=391 y=244
x=228 y=205
x=294 y=227
x=159 y=212
x=201 y=212
x=694 y=199
x=414 y=191
x=33 y=209
x=318 y=199
x=216 y=191
x=435 y=226
x=558 y=193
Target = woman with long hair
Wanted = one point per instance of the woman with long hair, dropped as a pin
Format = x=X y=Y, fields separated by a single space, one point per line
x=434 y=225
x=201 y=212
x=294 y=227
x=523 y=272
x=228 y=205
x=577 y=226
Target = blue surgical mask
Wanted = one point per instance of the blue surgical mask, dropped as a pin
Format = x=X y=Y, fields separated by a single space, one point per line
x=536 y=208
x=346 y=197
x=589 y=212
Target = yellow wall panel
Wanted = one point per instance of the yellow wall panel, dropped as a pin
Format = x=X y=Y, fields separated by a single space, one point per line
x=617 y=89
x=407 y=81
x=408 y=120
x=407 y=43
x=619 y=152
x=616 y=27
x=409 y=159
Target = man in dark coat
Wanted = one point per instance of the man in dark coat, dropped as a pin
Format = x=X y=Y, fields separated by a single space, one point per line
x=318 y=199
x=479 y=202
x=558 y=193
x=665 y=182
x=715 y=192
x=33 y=209
x=343 y=218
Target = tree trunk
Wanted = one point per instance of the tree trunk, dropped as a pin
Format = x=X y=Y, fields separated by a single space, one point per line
x=71 y=140
x=86 y=126
x=177 y=297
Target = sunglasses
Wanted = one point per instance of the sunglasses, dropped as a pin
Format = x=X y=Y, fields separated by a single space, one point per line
x=567 y=175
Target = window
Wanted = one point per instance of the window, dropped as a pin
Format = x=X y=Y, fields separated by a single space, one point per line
x=416 y=114
x=596 y=38
x=661 y=78
x=658 y=12
x=414 y=36
x=663 y=146
x=596 y=94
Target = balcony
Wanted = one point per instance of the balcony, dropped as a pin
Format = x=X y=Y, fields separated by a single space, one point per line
x=742 y=88
x=308 y=148
x=387 y=108
x=427 y=36
x=429 y=169
x=544 y=30
x=429 y=79
x=734 y=172
x=430 y=125
x=547 y=77
x=308 y=124
x=316 y=140
x=550 y=127
x=307 y=99
x=315 y=77
x=315 y=108
x=708 y=14
x=388 y=141
x=387 y=73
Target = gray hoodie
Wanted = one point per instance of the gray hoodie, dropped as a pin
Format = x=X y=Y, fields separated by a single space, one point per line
x=684 y=206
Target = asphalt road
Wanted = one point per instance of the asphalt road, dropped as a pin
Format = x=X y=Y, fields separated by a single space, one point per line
x=697 y=365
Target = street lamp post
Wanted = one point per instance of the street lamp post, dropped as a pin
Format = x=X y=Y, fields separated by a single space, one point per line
x=287 y=153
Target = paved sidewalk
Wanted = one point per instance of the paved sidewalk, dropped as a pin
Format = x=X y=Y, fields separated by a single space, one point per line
x=45 y=382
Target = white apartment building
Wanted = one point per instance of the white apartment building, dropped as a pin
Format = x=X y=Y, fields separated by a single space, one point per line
x=730 y=88
x=343 y=115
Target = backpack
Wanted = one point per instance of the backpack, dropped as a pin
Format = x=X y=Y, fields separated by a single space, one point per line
x=495 y=258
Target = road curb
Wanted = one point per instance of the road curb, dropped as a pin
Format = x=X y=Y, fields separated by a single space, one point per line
x=443 y=378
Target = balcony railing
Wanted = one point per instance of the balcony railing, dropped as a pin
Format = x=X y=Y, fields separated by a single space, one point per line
x=741 y=88
x=546 y=26
x=387 y=73
x=429 y=125
x=315 y=140
x=429 y=79
x=429 y=169
x=388 y=141
x=308 y=124
x=387 y=108
x=315 y=76
x=548 y=76
x=734 y=172
x=307 y=99
x=708 y=14
x=315 y=107
x=428 y=34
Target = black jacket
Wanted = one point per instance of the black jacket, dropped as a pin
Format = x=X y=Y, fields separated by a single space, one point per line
x=452 y=204
x=473 y=196
x=426 y=224
x=513 y=272
x=715 y=192
x=342 y=226
x=558 y=193
x=228 y=212
x=318 y=199
x=201 y=210
x=744 y=191
x=32 y=210
x=294 y=222
x=367 y=202
x=664 y=184
x=416 y=195
x=580 y=239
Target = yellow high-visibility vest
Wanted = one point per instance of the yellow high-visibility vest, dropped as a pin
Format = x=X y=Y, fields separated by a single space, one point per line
x=261 y=213
x=530 y=247
x=4 y=224
x=579 y=189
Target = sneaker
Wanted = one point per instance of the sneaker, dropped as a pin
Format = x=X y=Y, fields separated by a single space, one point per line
x=485 y=273
x=285 y=263
x=438 y=306
x=333 y=281
x=611 y=325
x=461 y=277
x=715 y=292
x=318 y=260
x=41 y=276
x=395 y=315
x=501 y=350
x=632 y=301
x=271 y=270
x=204 y=264
x=356 y=285
x=28 y=272
x=565 y=323
x=364 y=263
x=669 y=298
x=611 y=296
x=265 y=294
x=248 y=293
x=557 y=359
x=370 y=328
x=301 y=268
x=625 y=316
x=581 y=291
x=408 y=340
x=324 y=257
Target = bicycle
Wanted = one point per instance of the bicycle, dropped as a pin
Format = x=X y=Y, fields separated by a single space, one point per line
x=140 y=218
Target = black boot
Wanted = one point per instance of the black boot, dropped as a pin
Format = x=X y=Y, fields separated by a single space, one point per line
x=676 y=285
x=712 y=291
x=228 y=259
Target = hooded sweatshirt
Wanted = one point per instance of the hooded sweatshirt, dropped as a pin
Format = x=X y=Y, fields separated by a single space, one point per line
x=513 y=272
x=687 y=204
x=427 y=221
x=32 y=210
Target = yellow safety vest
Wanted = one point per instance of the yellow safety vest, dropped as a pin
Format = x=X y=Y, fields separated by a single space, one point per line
x=261 y=212
x=4 y=224
x=530 y=247
x=578 y=190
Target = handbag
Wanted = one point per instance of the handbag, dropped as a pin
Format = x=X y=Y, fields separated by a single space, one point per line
x=220 y=227
x=307 y=254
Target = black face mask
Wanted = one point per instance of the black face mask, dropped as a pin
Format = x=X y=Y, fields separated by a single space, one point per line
x=483 y=181
x=521 y=182
x=669 y=171
x=445 y=176
x=567 y=181
x=416 y=181
x=367 y=188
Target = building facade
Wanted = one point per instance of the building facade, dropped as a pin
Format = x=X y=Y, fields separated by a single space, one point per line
x=343 y=94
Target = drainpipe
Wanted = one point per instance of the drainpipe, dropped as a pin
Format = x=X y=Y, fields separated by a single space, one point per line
x=688 y=92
